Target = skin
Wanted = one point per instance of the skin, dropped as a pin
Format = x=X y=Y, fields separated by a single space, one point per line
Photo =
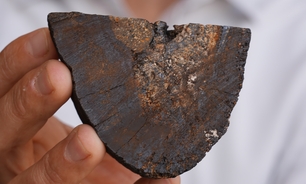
x=36 y=147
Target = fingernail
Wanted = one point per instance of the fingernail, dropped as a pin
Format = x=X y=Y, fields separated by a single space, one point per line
x=42 y=83
x=75 y=150
x=38 y=44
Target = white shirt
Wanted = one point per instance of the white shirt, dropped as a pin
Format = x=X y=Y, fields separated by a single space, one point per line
x=266 y=140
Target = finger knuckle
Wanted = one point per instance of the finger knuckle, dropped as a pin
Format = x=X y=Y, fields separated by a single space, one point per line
x=51 y=174
x=7 y=65
x=19 y=103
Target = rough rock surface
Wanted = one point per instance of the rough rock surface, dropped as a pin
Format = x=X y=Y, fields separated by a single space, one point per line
x=158 y=99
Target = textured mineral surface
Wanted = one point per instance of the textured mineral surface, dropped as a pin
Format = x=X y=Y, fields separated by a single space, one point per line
x=159 y=99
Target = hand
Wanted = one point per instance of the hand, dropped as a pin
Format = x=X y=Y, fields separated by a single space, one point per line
x=34 y=146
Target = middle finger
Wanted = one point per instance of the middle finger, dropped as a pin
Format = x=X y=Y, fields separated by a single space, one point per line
x=28 y=105
x=24 y=54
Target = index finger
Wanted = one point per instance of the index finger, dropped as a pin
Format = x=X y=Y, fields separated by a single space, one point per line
x=24 y=54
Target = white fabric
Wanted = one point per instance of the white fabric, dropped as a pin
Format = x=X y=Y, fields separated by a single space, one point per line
x=266 y=141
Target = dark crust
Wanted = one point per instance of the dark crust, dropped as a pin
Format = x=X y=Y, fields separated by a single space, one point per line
x=158 y=99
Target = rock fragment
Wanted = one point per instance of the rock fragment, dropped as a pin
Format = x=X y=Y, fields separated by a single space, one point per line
x=159 y=99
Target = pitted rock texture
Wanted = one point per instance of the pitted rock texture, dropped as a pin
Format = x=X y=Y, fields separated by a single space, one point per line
x=159 y=99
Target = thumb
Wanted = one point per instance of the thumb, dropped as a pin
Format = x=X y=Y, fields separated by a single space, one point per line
x=70 y=161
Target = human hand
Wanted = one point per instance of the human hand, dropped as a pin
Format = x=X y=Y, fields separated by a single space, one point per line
x=35 y=148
